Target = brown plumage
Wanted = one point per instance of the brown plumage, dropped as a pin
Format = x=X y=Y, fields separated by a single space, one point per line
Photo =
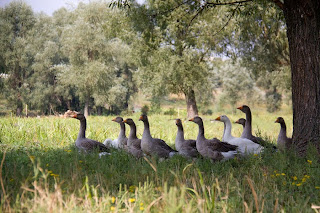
x=283 y=141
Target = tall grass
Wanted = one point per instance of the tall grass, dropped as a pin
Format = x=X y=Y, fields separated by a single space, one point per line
x=42 y=171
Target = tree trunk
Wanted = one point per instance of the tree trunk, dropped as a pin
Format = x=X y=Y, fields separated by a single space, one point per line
x=86 y=108
x=192 y=109
x=303 y=31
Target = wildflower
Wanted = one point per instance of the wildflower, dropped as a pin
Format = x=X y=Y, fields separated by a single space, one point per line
x=309 y=161
x=295 y=178
x=298 y=184
x=284 y=183
x=132 y=188
x=272 y=176
x=264 y=174
x=113 y=199
x=304 y=180
x=141 y=204
x=141 y=208
x=283 y=174
x=307 y=176
x=80 y=161
x=255 y=155
x=11 y=179
x=47 y=165
x=293 y=183
x=32 y=157
x=112 y=208
x=132 y=200
x=277 y=174
x=49 y=171
x=317 y=187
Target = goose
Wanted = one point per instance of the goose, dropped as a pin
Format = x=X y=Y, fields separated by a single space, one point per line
x=154 y=146
x=121 y=141
x=283 y=141
x=185 y=148
x=213 y=149
x=247 y=128
x=133 y=143
x=245 y=146
x=83 y=143
x=241 y=121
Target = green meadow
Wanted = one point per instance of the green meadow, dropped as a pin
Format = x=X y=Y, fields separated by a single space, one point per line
x=42 y=171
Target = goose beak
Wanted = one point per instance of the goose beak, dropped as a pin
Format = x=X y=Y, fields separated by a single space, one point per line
x=277 y=121
x=114 y=119
x=140 y=118
x=191 y=119
x=237 y=122
x=125 y=121
x=74 y=116
x=218 y=118
x=241 y=107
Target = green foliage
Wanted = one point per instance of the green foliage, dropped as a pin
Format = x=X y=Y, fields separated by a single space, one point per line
x=171 y=112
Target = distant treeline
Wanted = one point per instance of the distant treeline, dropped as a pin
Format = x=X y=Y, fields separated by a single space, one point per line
x=96 y=58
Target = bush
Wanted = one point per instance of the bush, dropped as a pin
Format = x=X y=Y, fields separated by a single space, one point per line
x=145 y=109
x=171 y=111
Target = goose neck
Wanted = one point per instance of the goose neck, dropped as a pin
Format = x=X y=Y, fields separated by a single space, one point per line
x=247 y=131
x=122 y=133
x=146 y=130
x=201 y=131
x=133 y=131
x=83 y=127
x=180 y=133
x=227 y=130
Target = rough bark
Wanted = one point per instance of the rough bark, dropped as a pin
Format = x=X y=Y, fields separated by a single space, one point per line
x=192 y=109
x=303 y=31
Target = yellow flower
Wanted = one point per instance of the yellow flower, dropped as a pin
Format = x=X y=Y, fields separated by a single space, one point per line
x=132 y=200
x=298 y=184
x=141 y=204
x=31 y=157
x=283 y=174
x=49 y=171
x=11 y=179
x=304 y=179
x=255 y=155
x=47 y=165
x=293 y=183
x=277 y=174
x=309 y=161
x=141 y=208
x=284 y=183
x=112 y=208
x=307 y=176
x=295 y=178
x=272 y=176
x=80 y=161
x=132 y=188
x=113 y=199
x=317 y=187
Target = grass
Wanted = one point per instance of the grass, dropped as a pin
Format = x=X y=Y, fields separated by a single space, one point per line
x=42 y=171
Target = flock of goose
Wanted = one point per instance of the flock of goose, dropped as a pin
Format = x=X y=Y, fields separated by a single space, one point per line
x=213 y=149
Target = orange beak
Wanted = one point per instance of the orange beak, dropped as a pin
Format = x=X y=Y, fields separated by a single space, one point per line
x=241 y=107
x=191 y=119
x=74 y=116
x=140 y=118
x=125 y=121
x=277 y=121
x=237 y=122
x=217 y=119
x=114 y=119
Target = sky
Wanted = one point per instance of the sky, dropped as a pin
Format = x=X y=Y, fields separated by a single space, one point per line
x=49 y=6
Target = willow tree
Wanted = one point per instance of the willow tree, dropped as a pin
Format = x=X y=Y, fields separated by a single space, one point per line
x=178 y=49
x=97 y=55
x=16 y=21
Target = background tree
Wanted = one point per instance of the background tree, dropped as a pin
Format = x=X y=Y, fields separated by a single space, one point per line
x=16 y=21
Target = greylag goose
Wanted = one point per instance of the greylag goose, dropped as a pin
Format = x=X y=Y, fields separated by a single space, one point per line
x=83 y=143
x=283 y=141
x=133 y=143
x=241 y=121
x=213 y=149
x=121 y=141
x=245 y=146
x=154 y=146
x=185 y=148
x=247 y=128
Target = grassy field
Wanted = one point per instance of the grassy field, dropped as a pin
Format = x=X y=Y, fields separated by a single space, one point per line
x=42 y=171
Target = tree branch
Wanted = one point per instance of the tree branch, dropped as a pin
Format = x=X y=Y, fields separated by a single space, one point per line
x=211 y=4
x=278 y=3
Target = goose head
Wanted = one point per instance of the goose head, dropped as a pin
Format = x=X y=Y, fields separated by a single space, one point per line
x=241 y=121
x=244 y=108
x=143 y=118
x=78 y=116
x=129 y=121
x=222 y=118
x=118 y=120
x=279 y=120
x=178 y=122
x=196 y=120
